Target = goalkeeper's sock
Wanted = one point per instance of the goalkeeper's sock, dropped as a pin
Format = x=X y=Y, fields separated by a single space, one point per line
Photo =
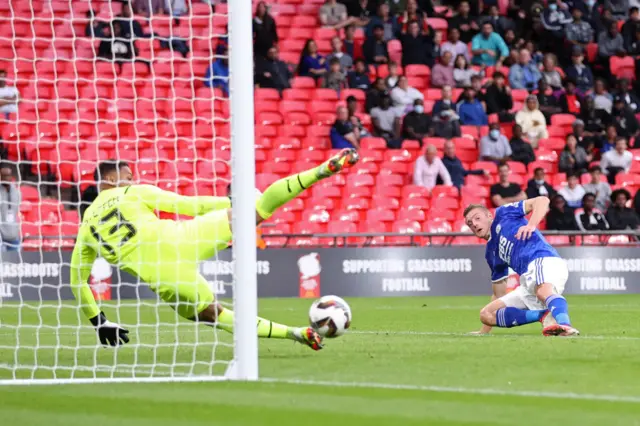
x=284 y=190
x=267 y=329
x=513 y=317
x=558 y=307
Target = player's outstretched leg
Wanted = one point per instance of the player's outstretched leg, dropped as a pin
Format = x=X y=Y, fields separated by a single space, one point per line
x=224 y=319
x=497 y=314
x=286 y=189
x=557 y=306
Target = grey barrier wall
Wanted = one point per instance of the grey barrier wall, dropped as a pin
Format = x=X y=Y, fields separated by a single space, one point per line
x=362 y=272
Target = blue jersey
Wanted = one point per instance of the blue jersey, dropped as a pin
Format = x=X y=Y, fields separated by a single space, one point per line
x=504 y=251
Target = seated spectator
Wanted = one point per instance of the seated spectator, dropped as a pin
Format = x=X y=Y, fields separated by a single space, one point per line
x=573 y=191
x=619 y=215
x=609 y=139
x=455 y=167
x=416 y=47
x=600 y=189
x=521 y=150
x=386 y=122
x=346 y=61
x=498 y=98
x=442 y=72
x=361 y=11
x=445 y=100
x=550 y=73
x=633 y=49
x=271 y=72
x=570 y=99
x=359 y=77
x=632 y=99
x=495 y=146
x=351 y=46
x=374 y=48
x=454 y=45
x=446 y=120
x=464 y=22
x=334 y=15
x=579 y=72
x=312 y=64
x=471 y=111
x=554 y=19
x=616 y=160
x=560 y=217
x=547 y=103
x=149 y=7
x=374 y=94
x=428 y=168
x=630 y=28
x=95 y=26
x=265 y=30
x=532 y=121
x=574 y=158
x=384 y=19
x=585 y=139
x=393 y=77
x=412 y=13
x=417 y=125
x=404 y=96
x=624 y=119
x=335 y=78
x=538 y=186
x=589 y=218
x=9 y=209
x=488 y=47
x=500 y=23
x=525 y=74
x=578 y=33
x=610 y=43
x=462 y=72
x=115 y=47
x=505 y=192
x=601 y=98
x=9 y=96
x=218 y=74
x=352 y=108
x=593 y=122
x=619 y=9
x=343 y=133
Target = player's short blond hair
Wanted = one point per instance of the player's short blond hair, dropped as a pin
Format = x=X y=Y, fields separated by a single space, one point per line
x=471 y=207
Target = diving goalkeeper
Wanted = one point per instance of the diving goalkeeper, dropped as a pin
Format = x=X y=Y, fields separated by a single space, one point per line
x=121 y=226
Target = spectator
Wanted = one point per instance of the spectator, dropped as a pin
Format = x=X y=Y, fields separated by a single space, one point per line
x=554 y=19
x=633 y=49
x=428 y=168
x=505 y=192
x=352 y=107
x=630 y=28
x=335 y=78
x=360 y=10
x=265 y=31
x=500 y=23
x=608 y=141
x=573 y=192
x=585 y=139
x=455 y=167
x=217 y=74
x=444 y=101
x=574 y=158
x=374 y=48
x=131 y=28
x=599 y=188
x=560 y=217
x=87 y=196
x=393 y=77
x=589 y=218
x=374 y=94
x=411 y=13
x=619 y=9
x=569 y=100
x=417 y=125
x=521 y=150
x=471 y=111
x=115 y=47
x=617 y=160
x=271 y=72
x=488 y=47
x=462 y=72
x=524 y=74
x=624 y=119
x=547 y=103
x=578 y=33
x=9 y=96
x=345 y=60
x=389 y=24
x=464 y=22
x=636 y=203
x=351 y=47
x=538 y=186
x=601 y=98
x=442 y=73
x=386 y=122
x=149 y=7
x=498 y=98
x=334 y=15
x=359 y=77
x=343 y=133
x=454 y=45
x=592 y=14
x=10 y=199
x=579 y=72
x=404 y=96
x=532 y=121
x=630 y=98
x=95 y=27
x=550 y=71
x=416 y=47
x=610 y=43
x=495 y=146
x=311 y=64
x=619 y=215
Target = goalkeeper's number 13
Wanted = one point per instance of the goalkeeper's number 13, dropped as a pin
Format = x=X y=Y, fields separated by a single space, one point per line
x=121 y=222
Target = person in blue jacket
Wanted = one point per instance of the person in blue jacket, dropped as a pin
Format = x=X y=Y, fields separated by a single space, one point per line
x=471 y=111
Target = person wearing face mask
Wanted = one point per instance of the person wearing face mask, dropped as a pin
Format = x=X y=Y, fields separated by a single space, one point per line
x=589 y=218
x=495 y=146
x=417 y=125
x=538 y=185
x=554 y=19
x=471 y=110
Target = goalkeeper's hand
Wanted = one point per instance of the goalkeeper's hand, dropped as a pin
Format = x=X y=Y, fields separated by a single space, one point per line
x=110 y=333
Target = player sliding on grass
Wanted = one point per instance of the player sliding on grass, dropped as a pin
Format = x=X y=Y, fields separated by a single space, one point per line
x=121 y=226
x=514 y=243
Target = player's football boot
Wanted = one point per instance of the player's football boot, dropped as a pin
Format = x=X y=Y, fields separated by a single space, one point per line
x=547 y=319
x=560 y=330
x=342 y=160
x=308 y=336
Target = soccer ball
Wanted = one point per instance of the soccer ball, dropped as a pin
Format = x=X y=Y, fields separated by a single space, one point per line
x=330 y=316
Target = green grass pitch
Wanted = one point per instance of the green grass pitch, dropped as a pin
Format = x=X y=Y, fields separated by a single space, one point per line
x=406 y=361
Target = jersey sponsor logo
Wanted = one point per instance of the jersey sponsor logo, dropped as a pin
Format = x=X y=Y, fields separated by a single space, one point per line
x=309 y=268
x=505 y=248
x=29 y=270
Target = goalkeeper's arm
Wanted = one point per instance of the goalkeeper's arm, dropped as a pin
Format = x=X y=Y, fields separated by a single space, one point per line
x=171 y=202
x=82 y=260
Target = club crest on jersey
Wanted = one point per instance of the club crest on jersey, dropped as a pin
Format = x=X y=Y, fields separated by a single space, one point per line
x=498 y=228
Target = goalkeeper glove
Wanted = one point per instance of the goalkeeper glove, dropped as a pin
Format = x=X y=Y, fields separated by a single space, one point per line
x=110 y=333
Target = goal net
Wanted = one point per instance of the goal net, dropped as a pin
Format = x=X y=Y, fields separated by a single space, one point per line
x=87 y=81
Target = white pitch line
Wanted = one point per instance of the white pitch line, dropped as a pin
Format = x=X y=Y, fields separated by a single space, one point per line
x=454 y=334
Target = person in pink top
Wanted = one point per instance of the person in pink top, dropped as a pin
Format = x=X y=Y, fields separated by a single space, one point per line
x=428 y=168
x=442 y=72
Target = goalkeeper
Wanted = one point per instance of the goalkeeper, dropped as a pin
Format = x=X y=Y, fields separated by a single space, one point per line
x=121 y=226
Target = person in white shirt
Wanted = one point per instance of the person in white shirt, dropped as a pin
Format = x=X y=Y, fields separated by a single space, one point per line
x=10 y=199
x=616 y=160
x=428 y=168
x=403 y=96
x=599 y=188
x=8 y=96
x=573 y=192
